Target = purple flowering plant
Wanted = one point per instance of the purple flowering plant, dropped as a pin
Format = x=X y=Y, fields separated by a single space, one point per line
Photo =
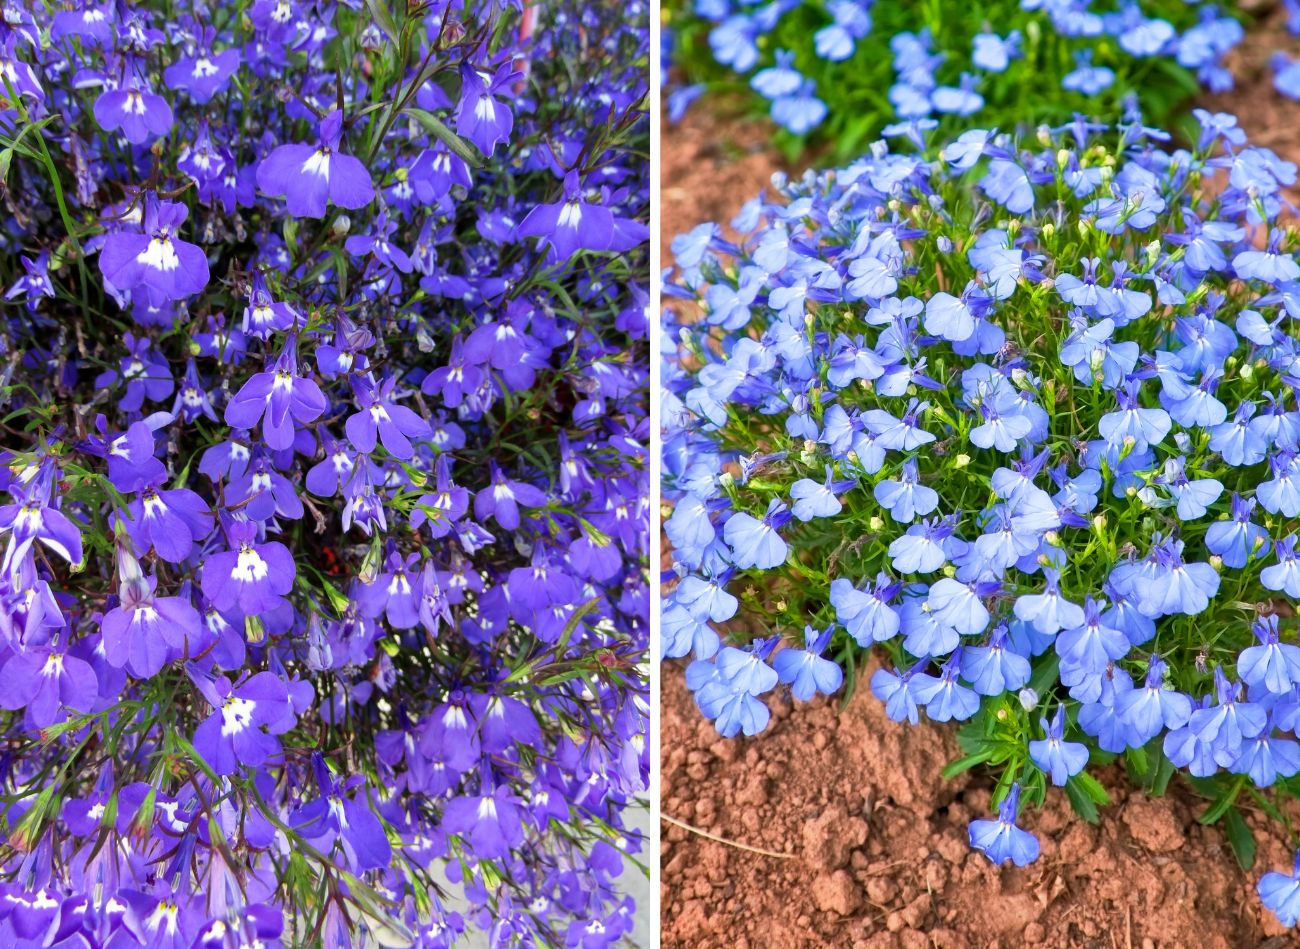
x=324 y=389
x=1021 y=420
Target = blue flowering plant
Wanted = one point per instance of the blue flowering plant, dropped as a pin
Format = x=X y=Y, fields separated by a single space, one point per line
x=1021 y=419
x=323 y=534
x=838 y=72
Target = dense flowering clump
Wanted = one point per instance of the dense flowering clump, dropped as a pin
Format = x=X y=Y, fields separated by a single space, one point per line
x=1025 y=416
x=324 y=582
x=846 y=69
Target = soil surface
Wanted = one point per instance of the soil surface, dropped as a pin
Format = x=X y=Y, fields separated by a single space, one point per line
x=871 y=841
x=876 y=852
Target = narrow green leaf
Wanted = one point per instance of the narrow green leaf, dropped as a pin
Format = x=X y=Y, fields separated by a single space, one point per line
x=1240 y=838
x=1137 y=760
x=384 y=17
x=966 y=762
x=1080 y=800
x=1223 y=802
x=435 y=127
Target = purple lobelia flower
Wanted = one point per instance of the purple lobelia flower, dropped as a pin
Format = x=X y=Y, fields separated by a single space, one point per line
x=570 y=225
x=480 y=117
x=338 y=814
x=264 y=315
x=146 y=630
x=203 y=72
x=455 y=380
x=282 y=396
x=145 y=372
x=447 y=505
x=131 y=460
x=245 y=718
x=132 y=108
x=394 y=594
x=171 y=522
x=380 y=416
x=490 y=821
x=325 y=477
x=156 y=259
x=310 y=176
x=45 y=681
x=503 y=497
x=32 y=519
x=250 y=577
x=35 y=281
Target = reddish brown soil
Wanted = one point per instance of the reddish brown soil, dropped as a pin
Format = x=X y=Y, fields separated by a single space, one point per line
x=875 y=838
x=711 y=164
x=879 y=854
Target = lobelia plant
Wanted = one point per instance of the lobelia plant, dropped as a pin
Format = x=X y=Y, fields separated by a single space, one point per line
x=1022 y=419
x=821 y=69
x=324 y=590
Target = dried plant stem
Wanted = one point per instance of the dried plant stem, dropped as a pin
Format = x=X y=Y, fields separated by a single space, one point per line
x=723 y=840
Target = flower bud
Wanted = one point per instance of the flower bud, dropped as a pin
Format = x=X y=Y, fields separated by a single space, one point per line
x=1028 y=699
x=342 y=224
x=961 y=461
x=876 y=523
x=1153 y=253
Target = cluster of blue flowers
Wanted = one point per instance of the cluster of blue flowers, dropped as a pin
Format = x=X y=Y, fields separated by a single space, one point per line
x=1023 y=415
x=952 y=68
x=324 y=492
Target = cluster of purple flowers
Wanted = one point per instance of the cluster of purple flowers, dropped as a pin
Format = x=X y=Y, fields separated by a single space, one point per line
x=1024 y=416
x=324 y=585
x=952 y=73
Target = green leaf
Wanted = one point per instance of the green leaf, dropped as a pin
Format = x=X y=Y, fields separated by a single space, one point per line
x=1240 y=838
x=1160 y=779
x=1227 y=797
x=1092 y=787
x=1045 y=675
x=384 y=17
x=1137 y=760
x=1080 y=800
x=435 y=127
x=967 y=762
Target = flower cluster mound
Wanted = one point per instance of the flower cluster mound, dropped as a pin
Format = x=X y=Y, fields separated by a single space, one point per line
x=1023 y=417
x=324 y=584
x=846 y=69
